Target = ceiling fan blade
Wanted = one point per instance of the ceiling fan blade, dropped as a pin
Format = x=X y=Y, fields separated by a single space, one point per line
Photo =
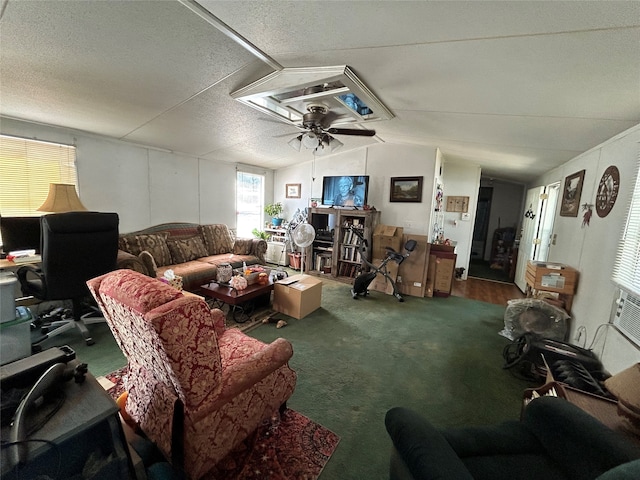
x=351 y=131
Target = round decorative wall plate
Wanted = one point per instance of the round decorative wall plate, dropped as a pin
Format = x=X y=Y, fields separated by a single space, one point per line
x=607 y=191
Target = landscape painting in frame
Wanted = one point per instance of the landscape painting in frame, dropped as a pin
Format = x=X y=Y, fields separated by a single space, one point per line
x=406 y=189
x=571 y=194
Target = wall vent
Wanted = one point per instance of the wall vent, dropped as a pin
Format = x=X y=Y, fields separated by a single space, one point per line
x=627 y=316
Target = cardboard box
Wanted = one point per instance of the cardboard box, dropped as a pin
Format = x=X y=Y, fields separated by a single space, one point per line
x=297 y=296
x=380 y=283
x=386 y=236
x=442 y=274
x=551 y=277
x=412 y=274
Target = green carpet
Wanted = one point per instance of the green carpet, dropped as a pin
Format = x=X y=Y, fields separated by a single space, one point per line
x=355 y=359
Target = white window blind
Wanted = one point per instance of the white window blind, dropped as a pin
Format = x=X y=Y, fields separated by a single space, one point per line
x=28 y=167
x=626 y=271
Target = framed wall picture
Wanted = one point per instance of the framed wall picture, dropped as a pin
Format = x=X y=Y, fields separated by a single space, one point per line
x=607 y=191
x=571 y=194
x=293 y=190
x=406 y=189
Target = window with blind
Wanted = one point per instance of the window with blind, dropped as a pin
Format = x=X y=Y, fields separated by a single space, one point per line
x=626 y=271
x=249 y=203
x=28 y=167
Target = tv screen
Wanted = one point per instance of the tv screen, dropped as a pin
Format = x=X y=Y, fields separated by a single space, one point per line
x=20 y=233
x=345 y=191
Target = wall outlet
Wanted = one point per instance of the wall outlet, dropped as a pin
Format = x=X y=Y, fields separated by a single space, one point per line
x=465 y=216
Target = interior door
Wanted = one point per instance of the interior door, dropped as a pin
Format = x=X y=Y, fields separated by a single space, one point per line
x=545 y=231
x=530 y=223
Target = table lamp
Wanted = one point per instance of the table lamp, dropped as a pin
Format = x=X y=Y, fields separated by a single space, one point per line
x=62 y=198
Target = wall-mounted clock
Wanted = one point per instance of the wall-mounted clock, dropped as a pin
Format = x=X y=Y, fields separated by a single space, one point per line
x=607 y=191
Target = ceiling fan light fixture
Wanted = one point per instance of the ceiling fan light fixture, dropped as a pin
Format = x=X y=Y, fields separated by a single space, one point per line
x=310 y=140
x=296 y=142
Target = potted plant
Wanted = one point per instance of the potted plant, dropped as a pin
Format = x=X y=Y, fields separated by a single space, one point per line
x=261 y=234
x=274 y=210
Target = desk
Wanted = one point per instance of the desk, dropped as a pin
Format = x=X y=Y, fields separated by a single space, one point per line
x=87 y=425
x=8 y=265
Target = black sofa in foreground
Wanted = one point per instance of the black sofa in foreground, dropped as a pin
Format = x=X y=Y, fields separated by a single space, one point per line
x=553 y=440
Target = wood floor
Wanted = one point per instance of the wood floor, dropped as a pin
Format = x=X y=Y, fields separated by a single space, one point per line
x=486 y=290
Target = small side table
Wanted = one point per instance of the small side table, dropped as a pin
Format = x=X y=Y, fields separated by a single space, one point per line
x=85 y=429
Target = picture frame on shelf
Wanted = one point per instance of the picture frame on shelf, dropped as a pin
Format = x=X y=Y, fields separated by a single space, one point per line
x=292 y=190
x=406 y=189
x=571 y=194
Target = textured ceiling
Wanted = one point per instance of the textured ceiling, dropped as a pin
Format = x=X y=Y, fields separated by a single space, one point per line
x=515 y=87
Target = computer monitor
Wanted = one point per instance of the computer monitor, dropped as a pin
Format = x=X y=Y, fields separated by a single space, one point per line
x=20 y=233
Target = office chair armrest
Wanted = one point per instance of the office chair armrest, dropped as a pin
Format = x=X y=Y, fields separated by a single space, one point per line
x=28 y=273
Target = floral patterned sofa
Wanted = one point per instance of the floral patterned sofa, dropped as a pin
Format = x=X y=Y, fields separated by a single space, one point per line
x=194 y=388
x=191 y=250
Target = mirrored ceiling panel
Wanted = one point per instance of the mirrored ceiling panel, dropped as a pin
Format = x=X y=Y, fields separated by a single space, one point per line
x=287 y=94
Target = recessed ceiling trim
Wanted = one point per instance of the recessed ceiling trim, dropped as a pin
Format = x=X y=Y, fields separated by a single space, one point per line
x=285 y=90
x=214 y=21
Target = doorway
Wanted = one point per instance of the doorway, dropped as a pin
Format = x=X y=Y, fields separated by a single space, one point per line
x=495 y=230
x=537 y=229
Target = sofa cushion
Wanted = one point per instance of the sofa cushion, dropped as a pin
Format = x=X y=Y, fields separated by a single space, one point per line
x=155 y=244
x=193 y=273
x=217 y=239
x=186 y=249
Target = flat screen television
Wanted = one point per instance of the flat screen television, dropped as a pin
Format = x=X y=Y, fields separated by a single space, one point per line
x=20 y=233
x=345 y=191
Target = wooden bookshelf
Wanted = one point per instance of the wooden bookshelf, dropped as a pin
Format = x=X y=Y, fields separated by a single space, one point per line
x=335 y=250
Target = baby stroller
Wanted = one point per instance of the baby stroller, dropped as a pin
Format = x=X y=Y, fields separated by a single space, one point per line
x=362 y=281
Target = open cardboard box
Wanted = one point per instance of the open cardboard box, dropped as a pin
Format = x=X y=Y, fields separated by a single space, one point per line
x=297 y=296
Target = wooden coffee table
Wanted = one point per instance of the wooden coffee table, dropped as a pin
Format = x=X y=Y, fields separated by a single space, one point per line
x=241 y=302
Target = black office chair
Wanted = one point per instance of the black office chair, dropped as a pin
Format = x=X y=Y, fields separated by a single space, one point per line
x=75 y=247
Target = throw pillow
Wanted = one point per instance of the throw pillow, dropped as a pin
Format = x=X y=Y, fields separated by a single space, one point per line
x=217 y=238
x=187 y=249
x=154 y=243
x=243 y=246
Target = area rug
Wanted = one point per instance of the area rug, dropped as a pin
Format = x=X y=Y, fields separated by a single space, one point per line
x=286 y=447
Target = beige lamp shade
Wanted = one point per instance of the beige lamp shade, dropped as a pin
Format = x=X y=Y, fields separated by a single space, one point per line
x=62 y=198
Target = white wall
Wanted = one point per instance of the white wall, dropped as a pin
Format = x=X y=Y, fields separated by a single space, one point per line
x=381 y=163
x=592 y=249
x=144 y=186
x=461 y=180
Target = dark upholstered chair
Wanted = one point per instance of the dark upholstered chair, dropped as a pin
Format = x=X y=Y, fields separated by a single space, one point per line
x=75 y=246
x=554 y=440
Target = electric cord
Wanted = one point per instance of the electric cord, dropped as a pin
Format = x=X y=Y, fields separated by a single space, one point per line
x=59 y=398
x=19 y=467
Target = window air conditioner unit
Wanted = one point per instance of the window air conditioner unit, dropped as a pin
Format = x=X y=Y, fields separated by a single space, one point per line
x=627 y=316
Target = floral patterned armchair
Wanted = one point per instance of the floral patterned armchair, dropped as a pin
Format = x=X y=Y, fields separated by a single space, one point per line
x=194 y=388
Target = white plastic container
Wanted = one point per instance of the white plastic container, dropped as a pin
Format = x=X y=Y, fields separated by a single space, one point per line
x=8 y=282
x=15 y=336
